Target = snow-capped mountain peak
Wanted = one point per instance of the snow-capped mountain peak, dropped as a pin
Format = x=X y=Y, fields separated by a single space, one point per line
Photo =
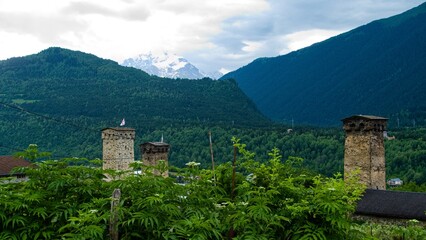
x=165 y=65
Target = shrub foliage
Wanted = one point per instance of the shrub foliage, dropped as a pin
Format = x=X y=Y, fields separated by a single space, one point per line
x=70 y=199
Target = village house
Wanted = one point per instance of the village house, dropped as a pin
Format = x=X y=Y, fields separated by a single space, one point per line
x=8 y=163
x=395 y=182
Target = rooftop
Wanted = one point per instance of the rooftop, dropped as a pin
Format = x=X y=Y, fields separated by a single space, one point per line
x=367 y=117
x=393 y=204
x=7 y=163
x=156 y=143
x=119 y=129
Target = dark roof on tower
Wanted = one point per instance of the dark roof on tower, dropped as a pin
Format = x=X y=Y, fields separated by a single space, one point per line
x=393 y=204
x=7 y=163
x=366 y=117
x=157 y=144
x=119 y=129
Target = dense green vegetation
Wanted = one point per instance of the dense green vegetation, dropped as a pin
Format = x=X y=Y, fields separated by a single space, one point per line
x=61 y=99
x=321 y=148
x=268 y=201
x=272 y=200
x=411 y=187
x=406 y=156
x=376 y=69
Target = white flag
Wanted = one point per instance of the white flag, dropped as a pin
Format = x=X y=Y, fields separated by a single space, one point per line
x=123 y=122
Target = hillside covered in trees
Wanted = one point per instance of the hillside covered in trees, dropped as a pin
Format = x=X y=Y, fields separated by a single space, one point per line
x=68 y=83
x=377 y=69
x=62 y=99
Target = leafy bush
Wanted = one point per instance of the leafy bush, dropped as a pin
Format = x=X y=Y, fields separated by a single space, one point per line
x=272 y=200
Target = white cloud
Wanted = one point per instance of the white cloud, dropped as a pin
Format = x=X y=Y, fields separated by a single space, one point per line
x=224 y=70
x=212 y=34
x=28 y=45
x=252 y=46
x=298 y=40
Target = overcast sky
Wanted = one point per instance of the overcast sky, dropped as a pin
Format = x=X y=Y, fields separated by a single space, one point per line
x=211 y=34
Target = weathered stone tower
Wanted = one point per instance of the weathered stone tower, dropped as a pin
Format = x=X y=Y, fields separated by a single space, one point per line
x=153 y=152
x=365 y=150
x=118 y=148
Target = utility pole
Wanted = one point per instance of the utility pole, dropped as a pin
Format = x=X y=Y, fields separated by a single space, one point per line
x=211 y=153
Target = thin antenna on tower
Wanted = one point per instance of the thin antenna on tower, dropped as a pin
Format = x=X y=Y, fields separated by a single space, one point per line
x=162 y=138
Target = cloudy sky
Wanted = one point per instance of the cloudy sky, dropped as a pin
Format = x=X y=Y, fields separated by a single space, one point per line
x=212 y=34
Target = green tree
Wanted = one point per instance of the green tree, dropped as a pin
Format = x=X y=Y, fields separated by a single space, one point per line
x=32 y=153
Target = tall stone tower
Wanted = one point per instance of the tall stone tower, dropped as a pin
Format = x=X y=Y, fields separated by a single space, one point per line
x=153 y=152
x=118 y=148
x=365 y=150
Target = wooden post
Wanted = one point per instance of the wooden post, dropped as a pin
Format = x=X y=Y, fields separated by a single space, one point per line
x=113 y=224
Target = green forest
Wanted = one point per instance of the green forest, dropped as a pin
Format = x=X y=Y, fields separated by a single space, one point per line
x=321 y=148
x=61 y=100
x=378 y=68
x=242 y=199
x=82 y=87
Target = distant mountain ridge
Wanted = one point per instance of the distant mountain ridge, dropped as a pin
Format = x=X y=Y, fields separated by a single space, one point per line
x=376 y=69
x=63 y=82
x=167 y=65
x=62 y=99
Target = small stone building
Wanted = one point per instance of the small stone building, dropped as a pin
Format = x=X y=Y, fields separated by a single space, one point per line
x=153 y=152
x=118 y=148
x=365 y=150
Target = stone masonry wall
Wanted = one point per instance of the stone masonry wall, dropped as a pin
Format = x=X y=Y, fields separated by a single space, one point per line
x=151 y=155
x=357 y=156
x=118 y=148
x=378 y=169
x=364 y=150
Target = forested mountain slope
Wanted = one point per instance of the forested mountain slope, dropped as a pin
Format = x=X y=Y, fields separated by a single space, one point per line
x=61 y=99
x=377 y=69
x=78 y=94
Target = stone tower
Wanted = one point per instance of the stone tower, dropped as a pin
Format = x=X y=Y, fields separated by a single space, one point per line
x=365 y=150
x=118 y=148
x=153 y=152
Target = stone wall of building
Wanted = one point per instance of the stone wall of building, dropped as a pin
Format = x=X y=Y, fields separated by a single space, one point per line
x=118 y=148
x=378 y=167
x=154 y=152
x=364 y=149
